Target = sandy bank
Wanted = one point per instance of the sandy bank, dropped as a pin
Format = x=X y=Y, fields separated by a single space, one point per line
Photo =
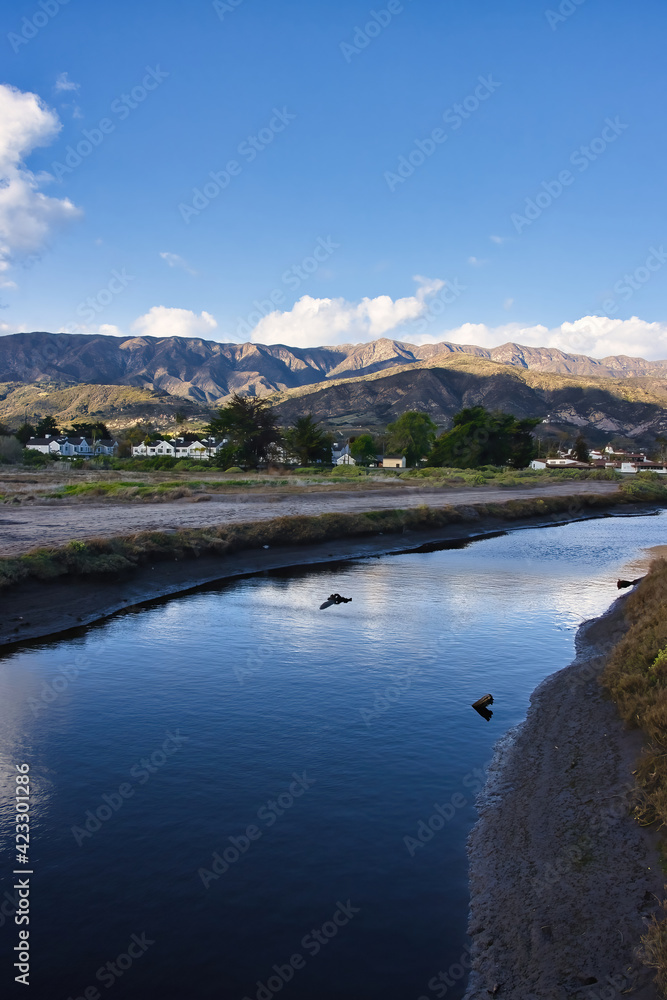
x=562 y=879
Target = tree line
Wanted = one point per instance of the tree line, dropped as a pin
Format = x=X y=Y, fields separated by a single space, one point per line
x=477 y=437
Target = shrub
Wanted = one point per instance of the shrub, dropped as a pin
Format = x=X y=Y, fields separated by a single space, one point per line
x=11 y=451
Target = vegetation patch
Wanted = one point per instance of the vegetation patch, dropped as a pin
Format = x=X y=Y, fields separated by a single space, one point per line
x=112 y=555
x=636 y=678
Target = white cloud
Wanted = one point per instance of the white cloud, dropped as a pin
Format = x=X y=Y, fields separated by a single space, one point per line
x=161 y=321
x=596 y=336
x=174 y=260
x=477 y=261
x=63 y=83
x=499 y=239
x=508 y=303
x=315 y=322
x=27 y=216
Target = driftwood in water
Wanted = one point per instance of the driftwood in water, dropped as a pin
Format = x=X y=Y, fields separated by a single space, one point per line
x=628 y=583
x=482 y=706
x=335 y=599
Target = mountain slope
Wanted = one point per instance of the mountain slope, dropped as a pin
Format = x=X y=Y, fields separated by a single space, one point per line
x=444 y=384
x=206 y=371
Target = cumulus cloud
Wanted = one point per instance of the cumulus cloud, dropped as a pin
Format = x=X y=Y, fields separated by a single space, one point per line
x=596 y=336
x=161 y=321
x=27 y=216
x=314 y=322
x=174 y=260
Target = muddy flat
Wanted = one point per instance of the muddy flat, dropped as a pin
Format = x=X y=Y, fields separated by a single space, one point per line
x=26 y=526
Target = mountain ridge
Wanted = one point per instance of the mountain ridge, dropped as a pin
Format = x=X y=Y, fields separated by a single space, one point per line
x=208 y=371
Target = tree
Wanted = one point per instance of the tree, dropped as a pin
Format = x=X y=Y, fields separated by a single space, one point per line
x=96 y=430
x=411 y=435
x=24 y=433
x=47 y=425
x=11 y=451
x=580 y=450
x=251 y=429
x=179 y=417
x=307 y=442
x=479 y=437
x=363 y=449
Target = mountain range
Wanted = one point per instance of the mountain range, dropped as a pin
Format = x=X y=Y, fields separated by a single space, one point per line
x=206 y=371
x=131 y=378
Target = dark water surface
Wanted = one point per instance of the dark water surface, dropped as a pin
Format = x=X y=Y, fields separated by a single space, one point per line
x=309 y=749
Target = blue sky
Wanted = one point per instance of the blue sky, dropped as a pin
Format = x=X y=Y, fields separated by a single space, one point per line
x=315 y=223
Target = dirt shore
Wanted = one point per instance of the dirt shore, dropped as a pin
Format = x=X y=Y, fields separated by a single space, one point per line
x=562 y=878
x=26 y=526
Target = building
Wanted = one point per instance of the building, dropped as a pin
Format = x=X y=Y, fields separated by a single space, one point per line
x=634 y=467
x=197 y=448
x=393 y=462
x=72 y=447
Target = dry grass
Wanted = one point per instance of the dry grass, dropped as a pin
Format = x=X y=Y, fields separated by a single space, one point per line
x=101 y=556
x=636 y=678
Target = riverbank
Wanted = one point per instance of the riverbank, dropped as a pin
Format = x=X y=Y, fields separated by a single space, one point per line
x=563 y=880
x=54 y=590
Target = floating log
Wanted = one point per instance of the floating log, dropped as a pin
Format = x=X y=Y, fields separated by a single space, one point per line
x=481 y=706
x=483 y=702
x=628 y=583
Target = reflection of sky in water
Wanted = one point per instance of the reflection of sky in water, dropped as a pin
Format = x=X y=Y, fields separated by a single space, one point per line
x=264 y=683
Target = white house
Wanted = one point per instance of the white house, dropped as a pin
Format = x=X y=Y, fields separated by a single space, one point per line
x=634 y=467
x=72 y=447
x=199 y=448
x=341 y=454
x=393 y=462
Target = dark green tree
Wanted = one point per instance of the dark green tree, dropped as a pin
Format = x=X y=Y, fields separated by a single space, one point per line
x=307 y=442
x=47 y=425
x=24 y=433
x=251 y=429
x=363 y=449
x=479 y=437
x=411 y=435
x=97 y=430
x=580 y=449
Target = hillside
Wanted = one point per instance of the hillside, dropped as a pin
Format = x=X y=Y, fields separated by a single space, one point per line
x=207 y=372
x=117 y=406
x=444 y=384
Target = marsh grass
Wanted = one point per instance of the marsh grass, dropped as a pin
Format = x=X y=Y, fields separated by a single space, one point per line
x=101 y=556
x=636 y=678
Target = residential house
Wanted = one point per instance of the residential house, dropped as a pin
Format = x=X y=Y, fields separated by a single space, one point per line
x=72 y=447
x=197 y=448
x=393 y=462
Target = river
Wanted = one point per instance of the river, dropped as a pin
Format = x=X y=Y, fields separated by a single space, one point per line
x=235 y=794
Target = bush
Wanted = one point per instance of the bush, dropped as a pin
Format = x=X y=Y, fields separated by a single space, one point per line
x=350 y=471
x=233 y=468
x=11 y=451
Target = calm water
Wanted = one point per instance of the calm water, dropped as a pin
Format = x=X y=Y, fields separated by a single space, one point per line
x=367 y=704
